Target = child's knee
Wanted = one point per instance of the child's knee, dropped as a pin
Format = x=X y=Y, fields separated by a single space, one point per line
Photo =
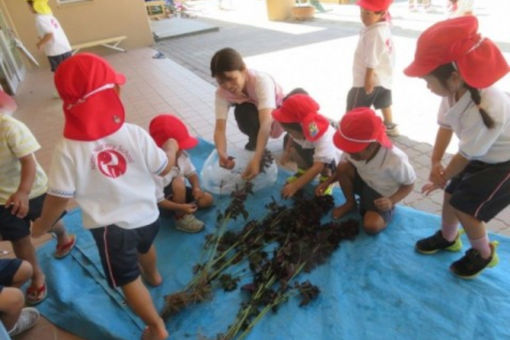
x=373 y=223
x=206 y=200
x=23 y=274
x=178 y=184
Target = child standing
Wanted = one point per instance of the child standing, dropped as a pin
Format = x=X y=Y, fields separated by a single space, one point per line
x=461 y=66
x=373 y=168
x=51 y=35
x=311 y=135
x=173 y=194
x=23 y=184
x=254 y=95
x=107 y=165
x=374 y=60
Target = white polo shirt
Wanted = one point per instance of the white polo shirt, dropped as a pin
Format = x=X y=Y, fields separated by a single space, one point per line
x=184 y=168
x=325 y=151
x=386 y=172
x=110 y=178
x=59 y=44
x=476 y=141
x=264 y=98
x=375 y=50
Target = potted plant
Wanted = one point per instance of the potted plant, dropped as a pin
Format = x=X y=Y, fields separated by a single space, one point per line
x=303 y=10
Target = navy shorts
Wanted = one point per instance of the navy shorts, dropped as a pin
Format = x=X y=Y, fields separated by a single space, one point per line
x=168 y=191
x=119 y=249
x=367 y=196
x=380 y=98
x=8 y=269
x=57 y=59
x=481 y=190
x=13 y=228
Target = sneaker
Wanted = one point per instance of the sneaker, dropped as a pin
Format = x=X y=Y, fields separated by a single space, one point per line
x=189 y=223
x=436 y=242
x=295 y=176
x=392 y=129
x=27 y=319
x=329 y=189
x=472 y=263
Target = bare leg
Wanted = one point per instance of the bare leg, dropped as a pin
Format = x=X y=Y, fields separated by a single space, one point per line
x=140 y=301
x=60 y=231
x=11 y=303
x=179 y=193
x=373 y=223
x=150 y=270
x=205 y=201
x=23 y=274
x=387 y=115
x=24 y=250
x=346 y=175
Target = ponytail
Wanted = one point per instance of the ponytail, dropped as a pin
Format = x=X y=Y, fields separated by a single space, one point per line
x=477 y=99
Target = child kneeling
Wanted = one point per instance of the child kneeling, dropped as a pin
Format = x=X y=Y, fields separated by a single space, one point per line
x=373 y=168
x=173 y=194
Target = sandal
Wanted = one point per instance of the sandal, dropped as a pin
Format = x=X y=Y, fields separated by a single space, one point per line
x=35 y=296
x=63 y=250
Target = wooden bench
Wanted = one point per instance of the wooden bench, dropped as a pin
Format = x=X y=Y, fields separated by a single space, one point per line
x=112 y=43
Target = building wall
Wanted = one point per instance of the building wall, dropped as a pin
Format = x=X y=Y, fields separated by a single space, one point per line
x=85 y=21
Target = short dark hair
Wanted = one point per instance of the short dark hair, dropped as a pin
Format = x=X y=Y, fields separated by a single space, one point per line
x=225 y=60
x=292 y=126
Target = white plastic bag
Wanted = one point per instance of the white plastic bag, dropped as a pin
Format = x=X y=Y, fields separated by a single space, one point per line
x=222 y=181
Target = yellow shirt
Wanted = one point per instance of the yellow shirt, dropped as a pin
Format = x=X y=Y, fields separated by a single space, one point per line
x=16 y=141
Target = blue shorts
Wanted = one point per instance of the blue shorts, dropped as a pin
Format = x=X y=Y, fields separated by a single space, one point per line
x=367 y=196
x=8 y=269
x=119 y=249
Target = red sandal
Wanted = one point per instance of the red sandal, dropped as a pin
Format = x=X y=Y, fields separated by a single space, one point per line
x=35 y=296
x=63 y=250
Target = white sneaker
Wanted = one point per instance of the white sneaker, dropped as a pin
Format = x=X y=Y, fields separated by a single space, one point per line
x=27 y=319
x=189 y=223
x=392 y=129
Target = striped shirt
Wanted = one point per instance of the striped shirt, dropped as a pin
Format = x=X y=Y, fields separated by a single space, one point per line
x=16 y=141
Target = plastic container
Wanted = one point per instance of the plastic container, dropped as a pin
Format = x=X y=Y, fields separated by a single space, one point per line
x=222 y=181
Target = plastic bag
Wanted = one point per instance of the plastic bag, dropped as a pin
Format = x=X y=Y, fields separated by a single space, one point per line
x=222 y=181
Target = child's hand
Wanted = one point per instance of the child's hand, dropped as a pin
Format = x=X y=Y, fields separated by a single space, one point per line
x=429 y=187
x=188 y=208
x=383 y=203
x=227 y=162
x=252 y=170
x=18 y=202
x=197 y=193
x=289 y=190
x=319 y=190
x=369 y=86
x=437 y=175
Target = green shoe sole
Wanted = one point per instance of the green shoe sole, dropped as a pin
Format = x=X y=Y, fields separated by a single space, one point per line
x=493 y=263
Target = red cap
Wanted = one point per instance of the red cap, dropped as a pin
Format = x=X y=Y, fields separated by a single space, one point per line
x=7 y=104
x=358 y=128
x=477 y=58
x=166 y=126
x=301 y=108
x=374 y=5
x=92 y=107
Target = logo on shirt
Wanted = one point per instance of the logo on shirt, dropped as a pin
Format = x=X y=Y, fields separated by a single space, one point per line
x=389 y=45
x=54 y=23
x=111 y=163
x=313 y=129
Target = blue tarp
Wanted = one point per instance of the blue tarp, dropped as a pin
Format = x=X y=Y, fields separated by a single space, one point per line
x=375 y=287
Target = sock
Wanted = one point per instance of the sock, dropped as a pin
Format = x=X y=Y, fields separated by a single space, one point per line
x=449 y=232
x=482 y=245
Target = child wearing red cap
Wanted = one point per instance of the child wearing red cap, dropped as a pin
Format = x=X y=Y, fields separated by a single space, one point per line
x=374 y=60
x=461 y=66
x=107 y=166
x=373 y=168
x=173 y=194
x=254 y=95
x=23 y=185
x=311 y=134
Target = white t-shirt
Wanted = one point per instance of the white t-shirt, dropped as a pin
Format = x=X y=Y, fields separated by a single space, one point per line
x=375 y=50
x=476 y=141
x=46 y=23
x=325 y=150
x=184 y=168
x=386 y=172
x=110 y=178
x=265 y=90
